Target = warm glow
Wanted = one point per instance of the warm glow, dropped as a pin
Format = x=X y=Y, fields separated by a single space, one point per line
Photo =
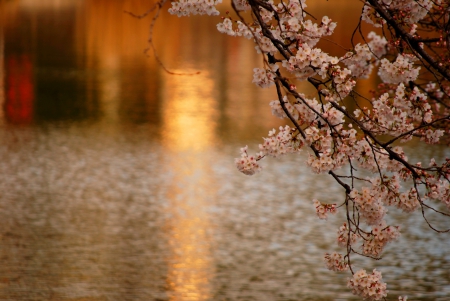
x=189 y=111
x=48 y=4
x=189 y=124
x=190 y=265
x=109 y=98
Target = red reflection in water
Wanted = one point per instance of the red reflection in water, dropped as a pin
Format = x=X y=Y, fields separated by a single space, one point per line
x=19 y=89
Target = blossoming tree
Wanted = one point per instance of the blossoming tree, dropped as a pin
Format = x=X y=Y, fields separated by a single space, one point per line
x=412 y=60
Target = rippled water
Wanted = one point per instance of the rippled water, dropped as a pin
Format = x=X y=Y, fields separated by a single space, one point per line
x=118 y=180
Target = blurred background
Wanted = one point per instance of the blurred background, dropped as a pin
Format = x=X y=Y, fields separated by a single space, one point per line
x=118 y=180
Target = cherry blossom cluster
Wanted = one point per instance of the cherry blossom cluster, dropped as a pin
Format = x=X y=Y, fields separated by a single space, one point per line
x=308 y=62
x=389 y=115
x=263 y=43
x=308 y=109
x=438 y=186
x=246 y=164
x=399 y=112
x=322 y=210
x=276 y=144
x=305 y=111
x=226 y=27
x=360 y=60
x=320 y=164
x=431 y=136
x=241 y=5
x=377 y=44
x=407 y=12
x=243 y=30
x=369 y=286
x=279 y=144
x=277 y=109
x=183 y=8
x=342 y=84
x=400 y=71
x=381 y=234
x=336 y=262
x=342 y=149
x=293 y=9
x=434 y=90
x=374 y=159
x=304 y=31
x=331 y=157
x=365 y=138
x=408 y=201
x=369 y=15
x=388 y=190
x=264 y=78
x=292 y=26
x=370 y=206
x=346 y=236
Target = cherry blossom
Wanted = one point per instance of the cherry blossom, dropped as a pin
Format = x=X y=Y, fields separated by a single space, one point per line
x=350 y=136
x=263 y=78
x=346 y=237
x=368 y=286
x=241 y=5
x=376 y=240
x=247 y=164
x=400 y=71
x=194 y=7
x=336 y=262
x=323 y=209
x=226 y=27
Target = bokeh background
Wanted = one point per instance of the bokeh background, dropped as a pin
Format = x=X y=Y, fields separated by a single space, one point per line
x=117 y=179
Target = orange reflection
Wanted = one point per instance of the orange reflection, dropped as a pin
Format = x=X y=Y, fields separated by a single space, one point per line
x=113 y=41
x=189 y=124
x=48 y=4
x=189 y=112
x=190 y=266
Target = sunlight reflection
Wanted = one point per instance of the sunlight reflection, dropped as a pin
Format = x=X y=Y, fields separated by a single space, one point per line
x=110 y=92
x=189 y=112
x=189 y=129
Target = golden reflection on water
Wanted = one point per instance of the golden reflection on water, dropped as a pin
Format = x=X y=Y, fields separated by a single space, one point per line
x=189 y=114
x=189 y=124
x=190 y=263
